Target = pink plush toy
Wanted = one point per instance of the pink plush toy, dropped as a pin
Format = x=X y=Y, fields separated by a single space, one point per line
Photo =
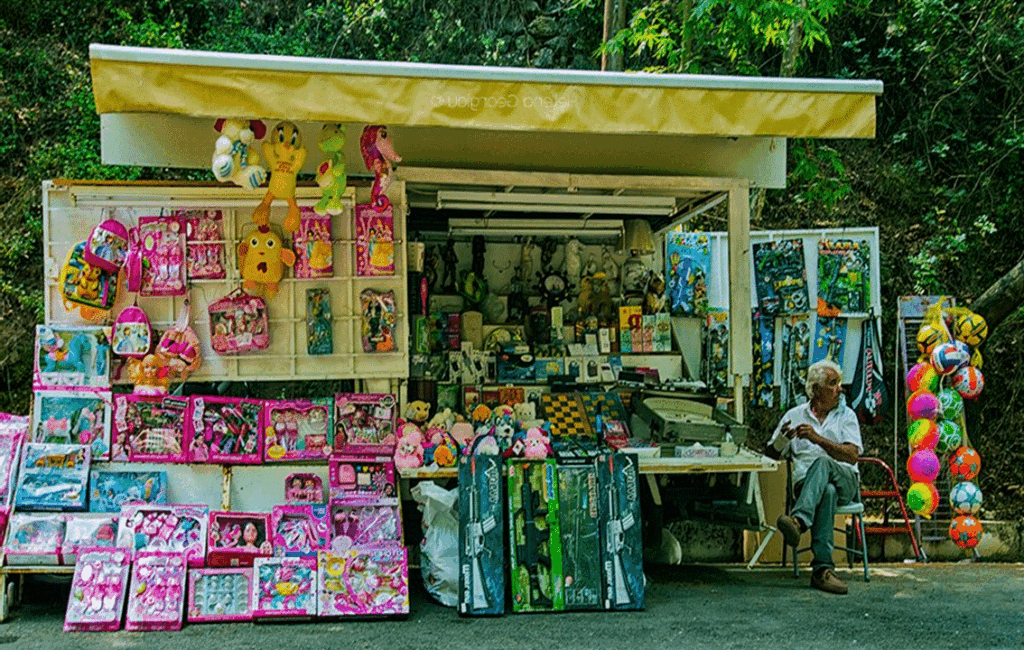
x=409 y=452
x=378 y=154
x=536 y=444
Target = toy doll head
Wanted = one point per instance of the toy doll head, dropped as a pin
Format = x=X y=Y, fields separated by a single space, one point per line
x=250 y=534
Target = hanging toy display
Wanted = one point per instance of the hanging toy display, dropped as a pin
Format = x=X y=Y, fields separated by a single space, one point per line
x=179 y=348
x=262 y=259
x=235 y=158
x=330 y=175
x=378 y=154
x=285 y=155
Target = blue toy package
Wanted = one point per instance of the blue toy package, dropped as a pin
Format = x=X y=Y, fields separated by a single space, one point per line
x=109 y=490
x=73 y=417
x=53 y=477
x=481 y=536
x=619 y=506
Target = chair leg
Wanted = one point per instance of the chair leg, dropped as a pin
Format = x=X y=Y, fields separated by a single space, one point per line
x=864 y=547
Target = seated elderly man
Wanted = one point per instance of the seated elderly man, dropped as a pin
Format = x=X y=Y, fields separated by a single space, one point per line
x=821 y=438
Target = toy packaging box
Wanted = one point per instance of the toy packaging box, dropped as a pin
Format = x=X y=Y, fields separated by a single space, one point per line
x=173 y=528
x=581 y=536
x=84 y=530
x=98 y=588
x=204 y=231
x=237 y=538
x=225 y=430
x=162 y=242
x=364 y=423
x=319 y=321
x=217 y=595
x=13 y=431
x=300 y=529
x=362 y=521
x=111 y=489
x=365 y=581
x=481 y=536
x=380 y=312
x=303 y=487
x=53 y=477
x=72 y=356
x=35 y=538
x=375 y=241
x=298 y=429
x=285 y=587
x=149 y=429
x=80 y=417
x=534 y=536
x=364 y=476
x=314 y=254
x=156 y=595
x=619 y=506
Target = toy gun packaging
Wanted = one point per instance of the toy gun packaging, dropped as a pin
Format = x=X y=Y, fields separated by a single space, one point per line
x=535 y=537
x=481 y=536
x=580 y=523
x=619 y=483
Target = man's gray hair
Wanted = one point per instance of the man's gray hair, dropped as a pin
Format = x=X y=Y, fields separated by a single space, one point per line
x=817 y=375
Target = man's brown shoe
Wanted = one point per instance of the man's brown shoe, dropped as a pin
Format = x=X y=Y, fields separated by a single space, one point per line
x=826 y=580
x=790 y=529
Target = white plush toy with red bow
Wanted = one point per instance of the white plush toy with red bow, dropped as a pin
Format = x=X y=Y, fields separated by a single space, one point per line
x=235 y=156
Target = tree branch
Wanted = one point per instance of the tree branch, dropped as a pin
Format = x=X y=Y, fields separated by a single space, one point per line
x=1001 y=299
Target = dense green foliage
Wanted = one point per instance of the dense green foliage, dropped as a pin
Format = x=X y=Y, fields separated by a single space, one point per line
x=942 y=179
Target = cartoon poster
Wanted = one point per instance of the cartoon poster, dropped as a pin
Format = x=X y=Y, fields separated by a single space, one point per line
x=715 y=364
x=796 y=354
x=844 y=277
x=375 y=241
x=688 y=261
x=780 y=277
x=829 y=340
x=80 y=417
x=314 y=255
x=762 y=393
x=72 y=356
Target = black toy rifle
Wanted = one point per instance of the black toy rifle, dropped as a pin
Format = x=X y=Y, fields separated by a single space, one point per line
x=475 y=530
x=529 y=553
x=615 y=542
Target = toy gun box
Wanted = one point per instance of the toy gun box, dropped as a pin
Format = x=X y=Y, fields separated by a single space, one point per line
x=481 y=536
x=535 y=538
x=619 y=508
x=580 y=523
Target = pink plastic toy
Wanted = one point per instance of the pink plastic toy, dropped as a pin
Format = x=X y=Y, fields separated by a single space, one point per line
x=298 y=429
x=149 y=429
x=171 y=528
x=225 y=430
x=303 y=487
x=237 y=538
x=360 y=521
x=300 y=529
x=284 y=587
x=219 y=595
x=314 y=256
x=205 y=234
x=363 y=476
x=35 y=538
x=364 y=582
x=156 y=597
x=238 y=323
x=162 y=241
x=92 y=530
x=98 y=590
x=364 y=423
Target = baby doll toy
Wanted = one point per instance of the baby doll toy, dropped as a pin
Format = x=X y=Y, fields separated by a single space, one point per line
x=235 y=157
x=286 y=156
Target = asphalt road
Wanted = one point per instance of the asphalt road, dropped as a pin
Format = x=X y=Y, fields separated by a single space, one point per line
x=929 y=606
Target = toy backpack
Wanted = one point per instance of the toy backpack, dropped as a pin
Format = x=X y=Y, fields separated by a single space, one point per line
x=85 y=286
x=132 y=335
x=107 y=246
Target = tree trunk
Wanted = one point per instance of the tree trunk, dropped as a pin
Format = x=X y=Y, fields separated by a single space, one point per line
x=607 y=33
x=616 y=61
x=1001 y=299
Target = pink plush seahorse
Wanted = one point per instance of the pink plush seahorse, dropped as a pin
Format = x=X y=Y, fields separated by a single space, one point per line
x=378 y=154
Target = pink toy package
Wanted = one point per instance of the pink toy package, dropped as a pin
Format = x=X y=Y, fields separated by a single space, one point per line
x=298 y=429
x=216 y=595
x=361 y=521
x=13 y=431
x=365 y=476
x=156 y=597
x=303 y=487
x=204 y=230
x=314 y=255
x=364 y=423
x=375 y=241
x=364 y=582
x=284 y=587
x=300 y=529
x=238 y=323
x=237 y=538
x=170 y=528
x=149 y=428
x=35 y=538
x=225 y=430
x=88 y=530
x=98 y=588
x=162 y=244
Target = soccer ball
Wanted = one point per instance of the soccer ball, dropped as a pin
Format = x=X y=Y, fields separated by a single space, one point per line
x=965 y=498
x=922 y=375
x=969 y=382
x=965 y=530
x=923 y=466
x=971 y=329
x=922 y=434
x=952 y=404
x=950 y=357
x=922 y=498
x=923 y=405
x=928 y=337
x=949 y=437
x=965 y=463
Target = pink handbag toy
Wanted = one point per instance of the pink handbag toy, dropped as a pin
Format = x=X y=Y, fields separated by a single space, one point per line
x=98 y=589
x=156 y=596
x=35 y=538
x=300 y=529
x=364 y=582
x=314 y=257
x=237 y=538
x=88 y=530
x=364 y=423
x=225 y=430
x=149 y=429
x=358 y=521
x=161 y=241
x=132 y=335
x=217 y=595
x=298 y=429
x=361 y=476
x=284 y=587
x=204 y=232
x=303 y=487
x=107 y=246
x=238 y=323
x=172 y=528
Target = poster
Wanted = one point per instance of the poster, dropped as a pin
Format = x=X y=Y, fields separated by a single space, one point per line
x=762 y=393
x=688 y=260
x=796 y=351
x=375 y=241
x=716 y=351
x=844 y=277
x=780 y=277
x=829 y=340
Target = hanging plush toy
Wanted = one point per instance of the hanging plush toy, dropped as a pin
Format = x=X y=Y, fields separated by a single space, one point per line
x=330 y=175
x=262 y=259
x=285 y=155
x=235 y=157
x=378 y=154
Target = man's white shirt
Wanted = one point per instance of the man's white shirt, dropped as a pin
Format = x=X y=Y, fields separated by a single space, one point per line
x=840 y=426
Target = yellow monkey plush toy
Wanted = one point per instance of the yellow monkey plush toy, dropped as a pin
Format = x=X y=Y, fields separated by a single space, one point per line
x=285 y=157
x=262 y=259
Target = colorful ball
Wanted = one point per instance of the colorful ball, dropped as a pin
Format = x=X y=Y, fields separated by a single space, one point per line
x=952 y=404
x=969 y=382
x=949 y=357
x=923 y=405
x=922 y=376
x=971 y=329
x=965 y=530
x=928 y=337
x=923 y=498
x=923 y=466
x=922 y=434
x=949 y=437
x=965 y=498
x=965 y=463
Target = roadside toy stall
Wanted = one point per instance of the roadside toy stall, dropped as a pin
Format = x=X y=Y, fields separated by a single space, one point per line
x=497 y=262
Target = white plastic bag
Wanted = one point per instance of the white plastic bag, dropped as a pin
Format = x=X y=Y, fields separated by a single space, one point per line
x=439 y=550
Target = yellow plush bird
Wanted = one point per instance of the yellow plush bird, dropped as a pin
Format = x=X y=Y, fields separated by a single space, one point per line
x=262 y=259
x=285 y=156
